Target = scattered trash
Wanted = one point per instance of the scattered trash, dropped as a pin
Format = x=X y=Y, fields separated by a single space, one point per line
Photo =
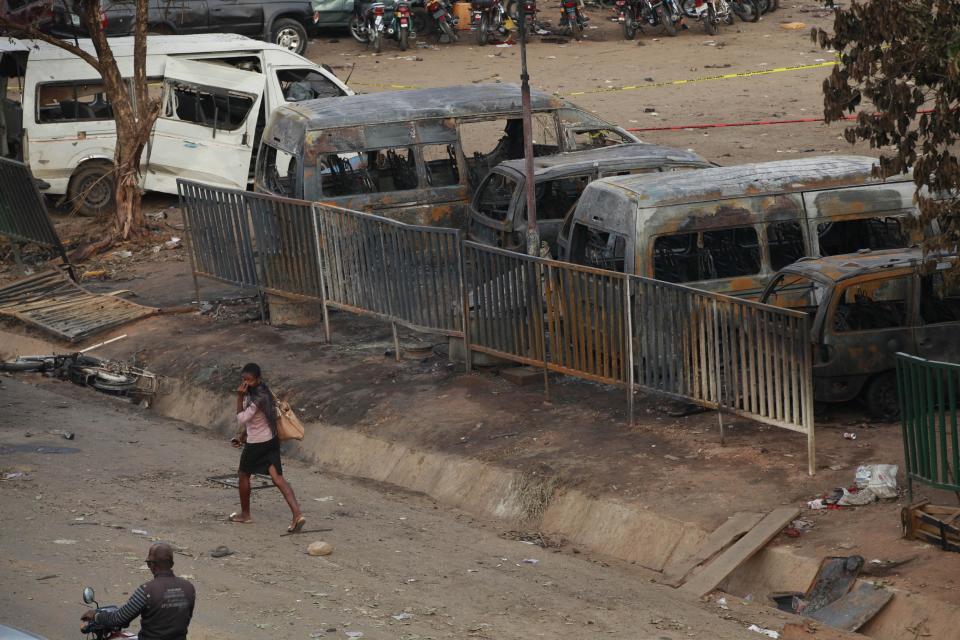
x=856 y=498
x=770 y=633
x=13 y=475
x=66 y=435
x=64 y=541
x=354 y=634
x=793 y=26
x=402 y=616
x=881 y=479
x=221 y=552
x=849 y=435
x=817 y=504
x=319 y=548
x=530 y=561
x=172 y=243
x=324 y=499
x=722 y=603
x=123 y=254
x=139 y=532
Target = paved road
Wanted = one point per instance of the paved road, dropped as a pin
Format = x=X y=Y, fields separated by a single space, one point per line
x=71 y=521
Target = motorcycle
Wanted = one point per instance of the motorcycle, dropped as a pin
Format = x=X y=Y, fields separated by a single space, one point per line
x=632 y=14
x=440 y=11
x=710 y=12
x=99 y=631
x=371 y=22
x=489 y=17
x=530 y=11
x=572 y=18
x=746 y=10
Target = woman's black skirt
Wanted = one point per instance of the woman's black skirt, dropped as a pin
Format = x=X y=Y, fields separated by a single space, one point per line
x=258 y=456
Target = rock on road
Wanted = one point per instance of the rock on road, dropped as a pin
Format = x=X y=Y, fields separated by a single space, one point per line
x=88 y=517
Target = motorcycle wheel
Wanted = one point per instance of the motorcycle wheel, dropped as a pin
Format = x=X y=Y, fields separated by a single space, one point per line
x=750 y=9
x=763 y=6
x=629 y=27
x=404 y=39
x=667 y=21
x=728 y=17
x=483 y=31
x=448 y=31
x=576 y=29
x=357 y=31
x=710 y=21
x=774 y=5
x=376 y=39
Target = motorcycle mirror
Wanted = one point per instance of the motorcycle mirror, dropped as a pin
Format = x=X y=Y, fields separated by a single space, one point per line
x=88 y=595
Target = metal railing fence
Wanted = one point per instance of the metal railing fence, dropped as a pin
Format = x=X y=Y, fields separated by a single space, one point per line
x=23 y=213
x=928 y=392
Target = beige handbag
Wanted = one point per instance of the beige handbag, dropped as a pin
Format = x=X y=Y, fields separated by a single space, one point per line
x=289 y=426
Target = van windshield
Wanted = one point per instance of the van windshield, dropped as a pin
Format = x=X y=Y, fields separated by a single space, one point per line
x=797 y=292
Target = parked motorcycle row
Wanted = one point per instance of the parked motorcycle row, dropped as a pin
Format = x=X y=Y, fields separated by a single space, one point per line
x=491 y=20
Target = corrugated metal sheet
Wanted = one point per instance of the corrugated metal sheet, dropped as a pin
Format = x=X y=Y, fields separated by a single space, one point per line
x=54 y=303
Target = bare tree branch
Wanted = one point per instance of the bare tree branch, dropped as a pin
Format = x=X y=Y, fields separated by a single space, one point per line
x=32 y=33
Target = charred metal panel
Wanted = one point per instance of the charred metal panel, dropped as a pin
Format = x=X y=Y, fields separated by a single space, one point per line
x=57 y=305
x=23 y=214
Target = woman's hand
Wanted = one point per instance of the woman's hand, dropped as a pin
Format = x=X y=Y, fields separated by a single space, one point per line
x=242 y=389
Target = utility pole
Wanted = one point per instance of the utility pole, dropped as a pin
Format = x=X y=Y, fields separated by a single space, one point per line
x=533 y=233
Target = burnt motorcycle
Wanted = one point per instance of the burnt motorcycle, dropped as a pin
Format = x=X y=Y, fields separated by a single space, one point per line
x=489 y=19
x=634 y=14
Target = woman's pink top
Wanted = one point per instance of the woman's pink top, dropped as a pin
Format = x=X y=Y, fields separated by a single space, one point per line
x=255 y=422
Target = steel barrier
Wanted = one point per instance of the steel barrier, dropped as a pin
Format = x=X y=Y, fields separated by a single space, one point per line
x=218 y=231
x=928 y=392
x=405 y=274
x=505 y=299
x=721 y=352
x=23 y=213
x=725 y=353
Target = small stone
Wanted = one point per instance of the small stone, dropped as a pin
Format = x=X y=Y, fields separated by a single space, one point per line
x=320 y=548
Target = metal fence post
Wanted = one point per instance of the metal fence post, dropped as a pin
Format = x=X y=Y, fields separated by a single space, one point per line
x=465 y=304
x=542 y=289
x=628 y=312
x=314 y=213
x=188 y=236
x=808 y=410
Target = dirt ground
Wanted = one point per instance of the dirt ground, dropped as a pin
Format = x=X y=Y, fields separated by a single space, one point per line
x=579 y=434
x=85 y=515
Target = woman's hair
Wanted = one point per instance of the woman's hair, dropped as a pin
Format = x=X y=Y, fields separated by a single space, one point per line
x=251 y=368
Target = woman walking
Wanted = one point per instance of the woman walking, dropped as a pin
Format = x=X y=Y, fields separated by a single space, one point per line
x=257 y=417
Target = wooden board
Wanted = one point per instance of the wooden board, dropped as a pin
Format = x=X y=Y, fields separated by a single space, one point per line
x=727 y=562
x=855 y=609
x=800 y=631
x=722 y=537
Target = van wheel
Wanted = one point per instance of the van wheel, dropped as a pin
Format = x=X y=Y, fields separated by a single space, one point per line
x=881 y=397
x=91 y=189
x=289 y=34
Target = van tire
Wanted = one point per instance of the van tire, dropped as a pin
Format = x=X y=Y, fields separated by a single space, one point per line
x=290 y=34
x=881 y=397
x=91 y=189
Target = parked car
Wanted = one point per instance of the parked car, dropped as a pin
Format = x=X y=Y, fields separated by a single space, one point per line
x=498 y=212
x=865 y=308
x=729 y=229
x=283 y=22
x=415 y=156
x=215 y=91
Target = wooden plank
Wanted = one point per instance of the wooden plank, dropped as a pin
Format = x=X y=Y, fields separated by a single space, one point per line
x=725 y=564
x=722 y=537
x=855 y=609
x=801 y=631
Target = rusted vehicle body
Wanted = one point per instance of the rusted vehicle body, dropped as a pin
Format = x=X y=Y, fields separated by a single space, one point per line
x=865 y=308
x=729 y=229
x=415 y=156
x=498 y=211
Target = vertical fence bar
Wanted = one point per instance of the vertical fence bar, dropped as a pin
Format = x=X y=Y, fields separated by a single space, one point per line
x=628 y=336
x=321 y=281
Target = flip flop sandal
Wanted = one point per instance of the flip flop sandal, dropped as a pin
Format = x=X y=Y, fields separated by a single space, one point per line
x=235 y=519
x=297 y=526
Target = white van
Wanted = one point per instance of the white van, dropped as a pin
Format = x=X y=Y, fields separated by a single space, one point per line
x=215 y=90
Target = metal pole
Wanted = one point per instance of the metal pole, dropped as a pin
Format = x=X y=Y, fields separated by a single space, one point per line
x=314 y=213
x=533 y=233
x=629 y=346
x=543 y=288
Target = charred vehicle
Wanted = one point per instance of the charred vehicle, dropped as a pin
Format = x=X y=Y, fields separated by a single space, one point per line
x=729 y=229
x=498 y=211
x=414 y=156
x=865 y=308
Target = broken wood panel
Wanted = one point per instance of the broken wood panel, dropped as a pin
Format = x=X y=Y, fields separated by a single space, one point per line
x=52 y=302
x=723 y=536
x=855 y=609
x=727 y=562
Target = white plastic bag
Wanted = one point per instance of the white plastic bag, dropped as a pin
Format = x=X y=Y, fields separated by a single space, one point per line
x=880 y=479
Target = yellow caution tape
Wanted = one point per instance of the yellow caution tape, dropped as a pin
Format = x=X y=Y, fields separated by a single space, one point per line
x=399 y=87
x=725 y=76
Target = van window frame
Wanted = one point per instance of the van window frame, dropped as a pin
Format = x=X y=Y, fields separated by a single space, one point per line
x=421 y=169
x=839 y=289
x=759 y=230
x=68 y=83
